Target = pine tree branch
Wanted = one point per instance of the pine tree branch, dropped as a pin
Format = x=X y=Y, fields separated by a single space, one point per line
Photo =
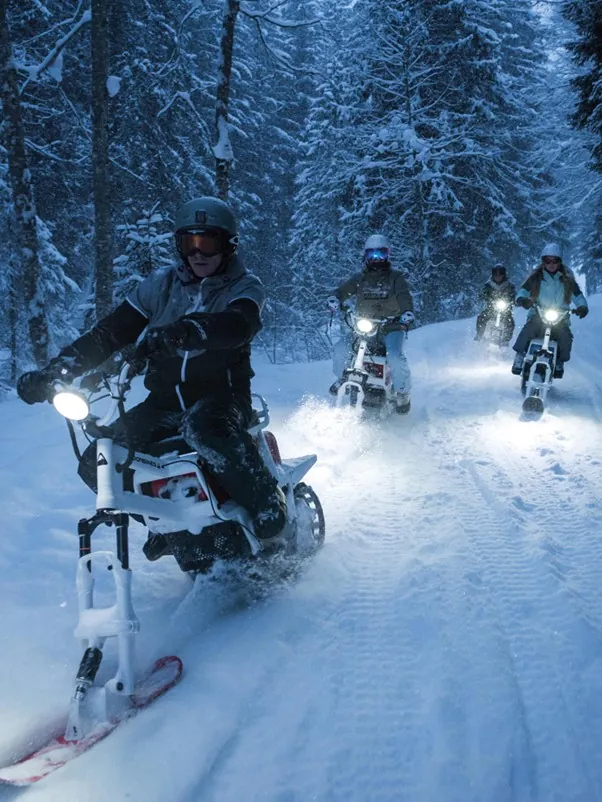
x=35 y=72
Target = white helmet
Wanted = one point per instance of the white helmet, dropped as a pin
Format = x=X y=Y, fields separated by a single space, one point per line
x=377 y=241
x=377 y=250
x=552 y=249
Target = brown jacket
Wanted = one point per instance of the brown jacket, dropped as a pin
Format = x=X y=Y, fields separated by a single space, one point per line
x=379 y=293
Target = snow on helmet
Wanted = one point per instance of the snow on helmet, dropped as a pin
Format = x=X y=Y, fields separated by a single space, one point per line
x=552 y=249
x=377 y=251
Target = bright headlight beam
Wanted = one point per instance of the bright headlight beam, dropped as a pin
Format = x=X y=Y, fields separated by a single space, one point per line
x=71 y=405
x=364 y=325
x=551 y=315
x=501 y=305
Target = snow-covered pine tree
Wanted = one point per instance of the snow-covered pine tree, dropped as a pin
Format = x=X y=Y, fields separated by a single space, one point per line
x=281 y=85
x=148 y=247
x=586 y=15
x=61 y=295
x=323 y=250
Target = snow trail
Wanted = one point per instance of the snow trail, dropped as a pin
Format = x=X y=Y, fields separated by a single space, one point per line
x=445 y=644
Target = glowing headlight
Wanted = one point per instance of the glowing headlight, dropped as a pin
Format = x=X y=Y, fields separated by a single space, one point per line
x=71 y=405
x=501 y=305
x=551 y=315
x=364 y=326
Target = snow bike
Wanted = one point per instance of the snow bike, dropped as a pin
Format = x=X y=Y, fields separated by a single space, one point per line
x=170 y=490
x=540 y=363
x=367 y=382
x=495 y=330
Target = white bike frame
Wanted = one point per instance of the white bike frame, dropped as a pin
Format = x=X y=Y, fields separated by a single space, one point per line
x=93 y=705
x=541 y=368
x=357 y=378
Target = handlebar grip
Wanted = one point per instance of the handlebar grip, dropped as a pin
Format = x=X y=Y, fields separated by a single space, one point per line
x=138 y=359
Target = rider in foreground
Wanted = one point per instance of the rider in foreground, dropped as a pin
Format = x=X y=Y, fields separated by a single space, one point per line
x=551 y=285
x=200 y=317
x=498 y=288
x=380 y=292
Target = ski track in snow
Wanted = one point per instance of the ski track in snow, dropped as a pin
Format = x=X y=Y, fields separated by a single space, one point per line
x=446 y=644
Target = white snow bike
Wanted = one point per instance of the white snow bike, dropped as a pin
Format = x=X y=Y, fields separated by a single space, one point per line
x=367 y=382
x=540 y=363
x=174 y=494
x=495 y=330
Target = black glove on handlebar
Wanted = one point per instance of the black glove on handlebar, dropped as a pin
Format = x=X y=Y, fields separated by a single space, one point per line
x=168 y=339
x=581 y=311
x=527 y=303
x=34 y=387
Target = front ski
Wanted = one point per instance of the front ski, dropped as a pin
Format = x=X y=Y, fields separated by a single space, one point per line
x=165 y=673
x=533 y=408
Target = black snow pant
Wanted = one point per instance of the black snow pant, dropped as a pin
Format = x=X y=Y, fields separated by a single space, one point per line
x=488 y=314
x=535 y=327
x=216 y=428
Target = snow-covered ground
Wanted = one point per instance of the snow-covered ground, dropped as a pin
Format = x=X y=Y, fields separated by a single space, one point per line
x=446 y=644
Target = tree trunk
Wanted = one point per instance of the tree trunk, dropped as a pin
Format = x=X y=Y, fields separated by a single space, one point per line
x=223 y=149
x=13 y=322
x=13 y=137
x=101 y=179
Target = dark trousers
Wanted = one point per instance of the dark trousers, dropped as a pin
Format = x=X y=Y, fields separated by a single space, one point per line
x=488 y=314
x=535 y=327
x=216 y=429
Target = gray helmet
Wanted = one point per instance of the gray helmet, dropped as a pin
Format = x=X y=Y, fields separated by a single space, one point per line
x=206 y=213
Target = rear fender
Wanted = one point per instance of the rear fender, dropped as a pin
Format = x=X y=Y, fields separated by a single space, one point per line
x=293 y=470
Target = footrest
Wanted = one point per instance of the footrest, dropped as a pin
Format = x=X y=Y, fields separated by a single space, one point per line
x=225 y=540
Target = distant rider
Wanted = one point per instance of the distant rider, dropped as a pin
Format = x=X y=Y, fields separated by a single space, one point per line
x=551 y=285
x=498 y=288
x=380 y=292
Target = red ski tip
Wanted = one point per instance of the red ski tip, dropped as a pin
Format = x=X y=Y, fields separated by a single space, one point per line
x=165 y=673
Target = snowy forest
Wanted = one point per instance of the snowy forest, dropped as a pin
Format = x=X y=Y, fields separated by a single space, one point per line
x=468 y=131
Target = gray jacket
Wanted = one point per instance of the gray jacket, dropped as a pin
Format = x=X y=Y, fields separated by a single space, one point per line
x=229 y=305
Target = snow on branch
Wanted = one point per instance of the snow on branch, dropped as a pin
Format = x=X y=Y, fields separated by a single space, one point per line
x=53 y=58
x=283 y=62
x=174 y=57
x=266 y=16
x=185 y=97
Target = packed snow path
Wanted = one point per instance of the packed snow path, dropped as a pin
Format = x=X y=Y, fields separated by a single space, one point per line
x=445 y=645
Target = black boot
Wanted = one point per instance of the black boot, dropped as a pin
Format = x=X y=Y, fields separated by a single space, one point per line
x=156 y=546
x=240 y=469
x=269 y=521
x=559 y=370
x=517 y=365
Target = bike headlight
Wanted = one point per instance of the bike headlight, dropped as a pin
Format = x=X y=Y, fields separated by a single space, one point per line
x=551 y=315
x=71 y=405
x=364 y=326
x=501 y=305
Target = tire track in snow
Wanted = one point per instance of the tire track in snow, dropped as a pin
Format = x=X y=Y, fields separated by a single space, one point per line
x=385 y=713
x=521 y=592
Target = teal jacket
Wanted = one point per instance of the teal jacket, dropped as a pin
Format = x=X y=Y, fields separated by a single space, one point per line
x=558 y=290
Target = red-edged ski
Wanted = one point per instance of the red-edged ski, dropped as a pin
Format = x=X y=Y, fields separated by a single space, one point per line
x=39 y=764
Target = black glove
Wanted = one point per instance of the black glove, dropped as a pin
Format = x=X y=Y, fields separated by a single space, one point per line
x=581 y=311
x=168 y=339
x=34 y=387
x=527 y=303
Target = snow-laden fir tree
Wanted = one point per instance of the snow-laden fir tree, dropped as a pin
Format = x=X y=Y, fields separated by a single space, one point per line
x=148 y=246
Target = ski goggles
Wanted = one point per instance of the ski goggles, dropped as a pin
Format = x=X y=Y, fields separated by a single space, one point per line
x=206 y=243
x=551 y=260
x=377 y=254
